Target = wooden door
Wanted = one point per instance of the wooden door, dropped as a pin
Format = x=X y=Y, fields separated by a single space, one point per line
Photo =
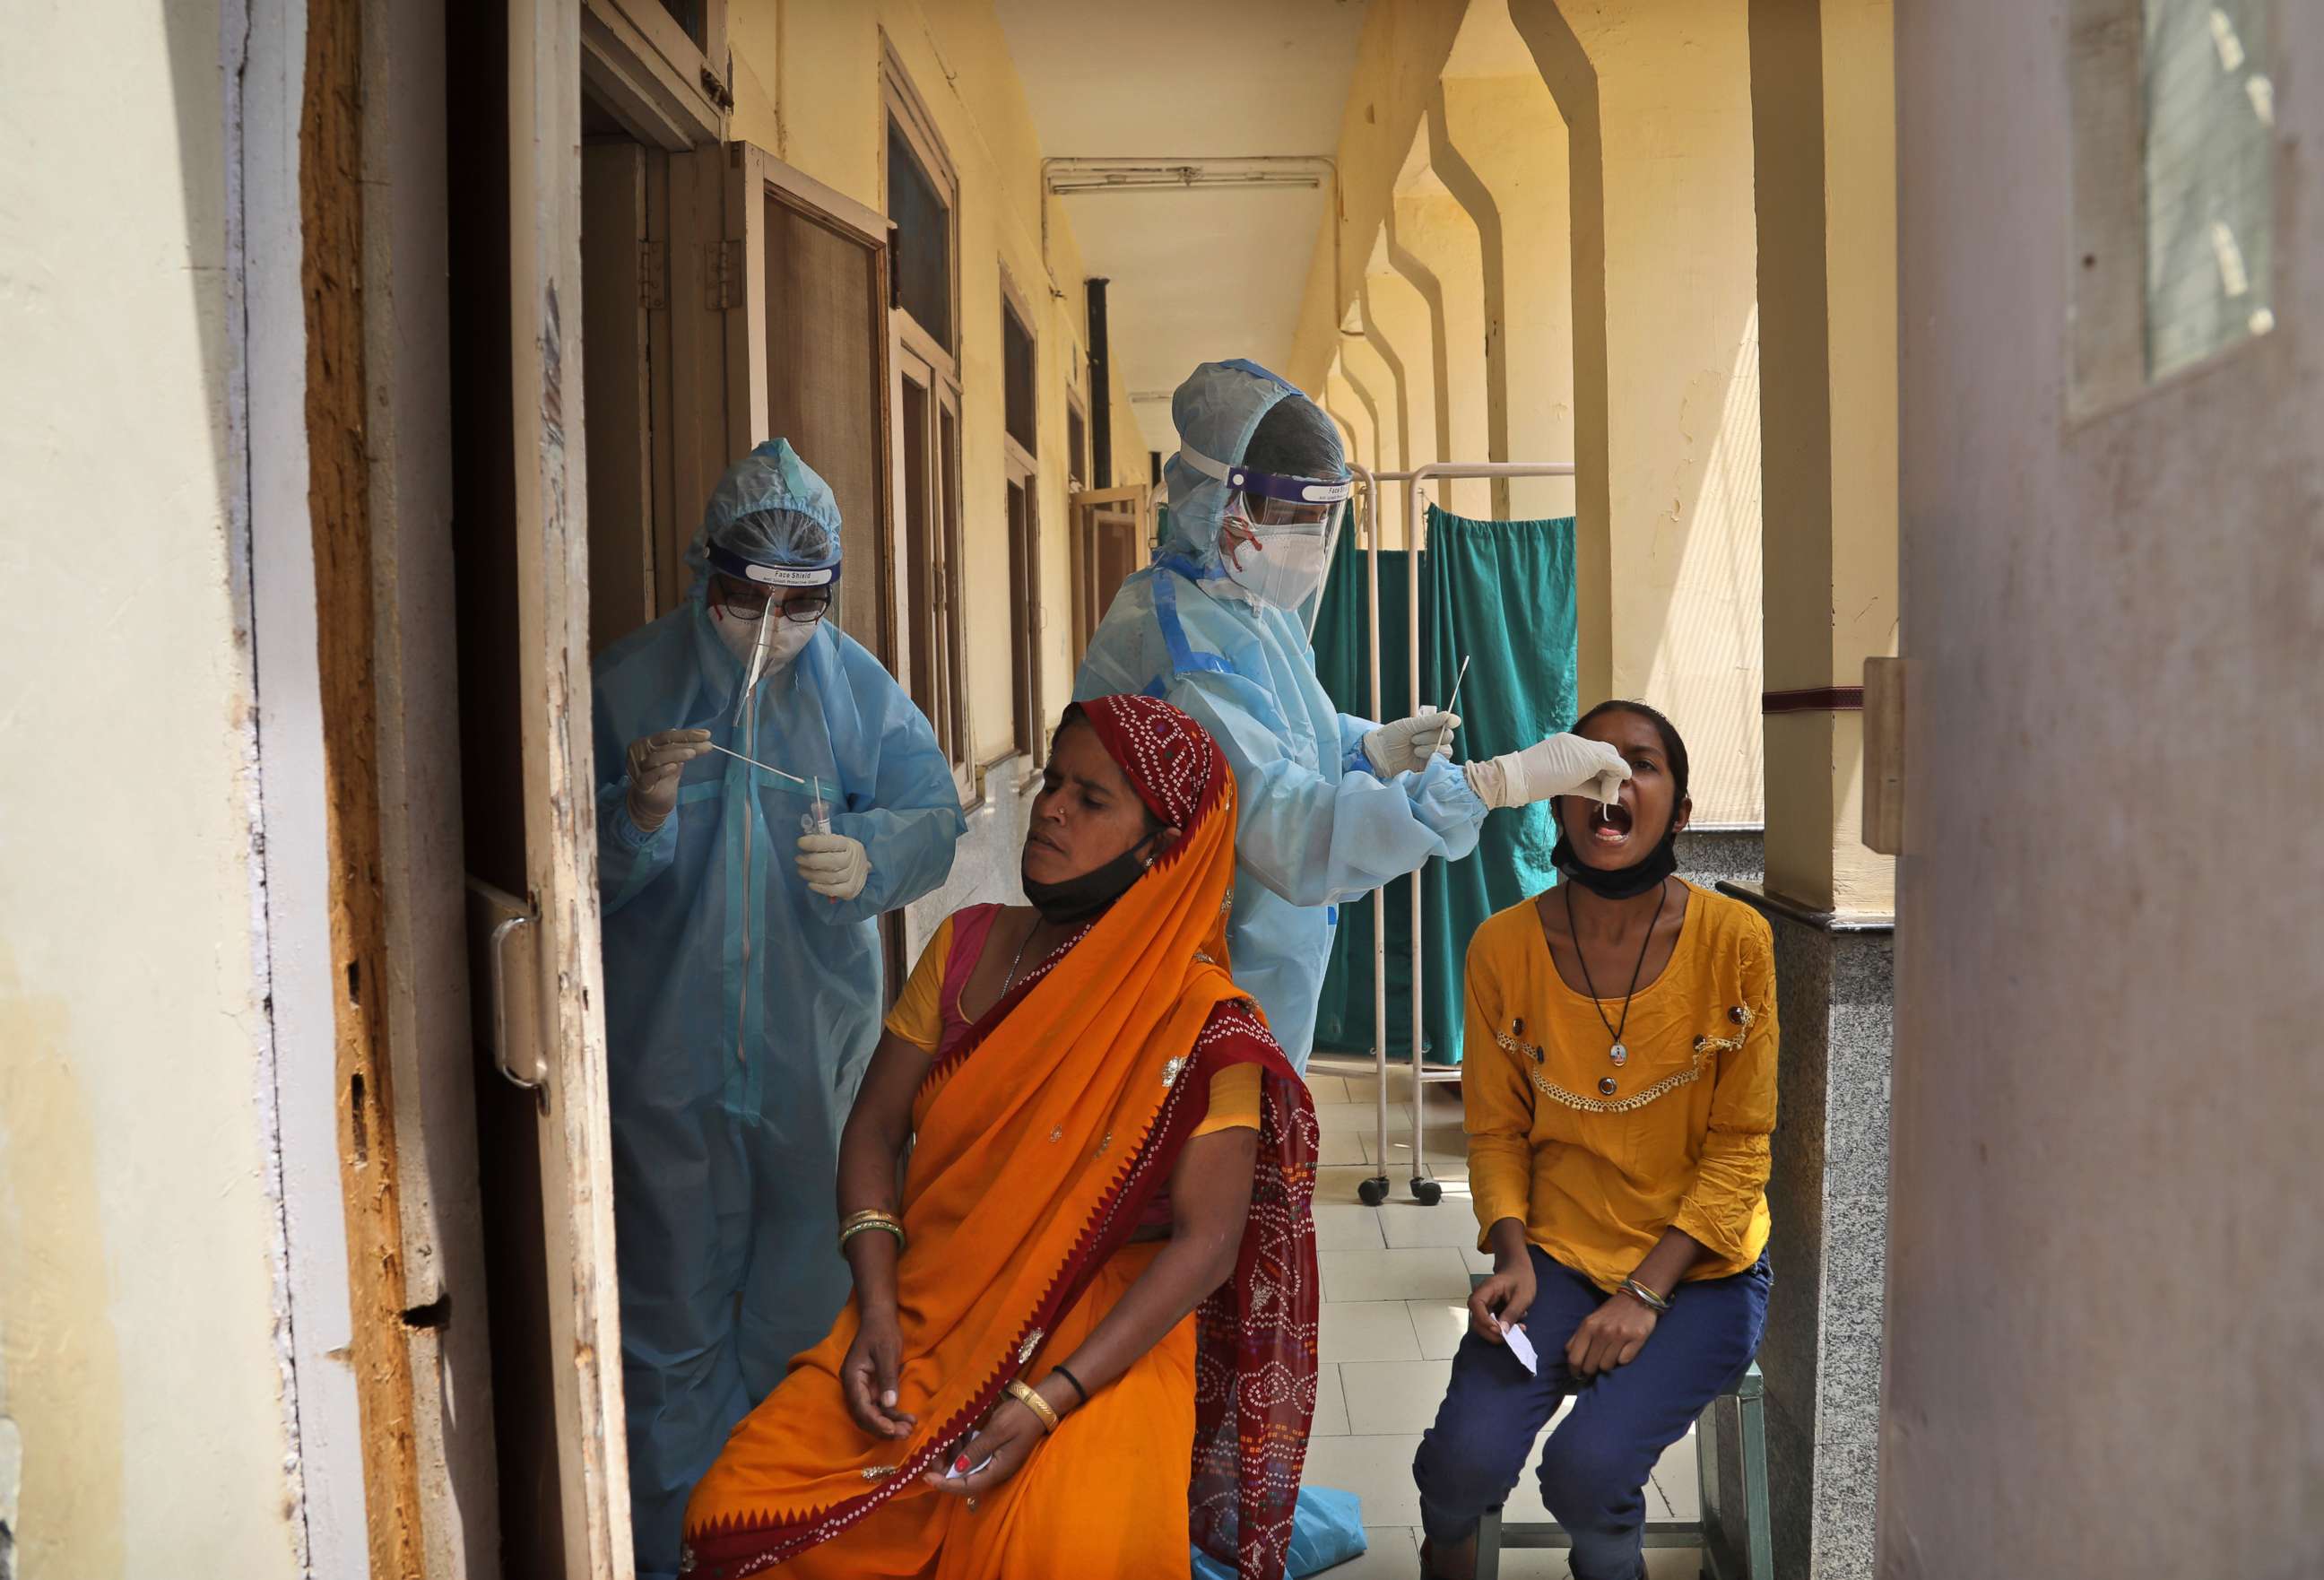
x=1110 y=541
x=520 y=526
x=778 y=295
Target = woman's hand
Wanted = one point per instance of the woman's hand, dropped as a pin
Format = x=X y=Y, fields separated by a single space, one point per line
x=1007 y=1437
x=868 y=1377
x=1502 y=1300
x=1611 y=1336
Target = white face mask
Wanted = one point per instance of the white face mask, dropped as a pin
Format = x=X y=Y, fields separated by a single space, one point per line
x=784 y=643
x=1283 y=568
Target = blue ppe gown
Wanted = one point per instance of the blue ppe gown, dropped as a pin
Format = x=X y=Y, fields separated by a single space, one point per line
x=741 y=1010
x=1317 y=828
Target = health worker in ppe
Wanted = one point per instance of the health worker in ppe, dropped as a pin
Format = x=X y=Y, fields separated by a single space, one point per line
x=1332 y=806
x=743 y=958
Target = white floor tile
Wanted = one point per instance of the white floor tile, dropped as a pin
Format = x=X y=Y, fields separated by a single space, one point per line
x=1331 y=1403
x=1366 y=1330
x=1448 y=1222
x=1446 y=1144
x=1394 y=1554
x=1680 y=1482
x=1440 y=1326
x=1476 y=1260
x=1424 y=1273
x=1394 y=1396
x=1326 y=1088
x=1533 y=1564
x=1353 y=1118
x=1376 y=1470
x=1336 y=1183
x=1347 y=1227
x=1340 y=1146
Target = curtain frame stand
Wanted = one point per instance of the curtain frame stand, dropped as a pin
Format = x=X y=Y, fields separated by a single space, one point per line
x=1425 y=1188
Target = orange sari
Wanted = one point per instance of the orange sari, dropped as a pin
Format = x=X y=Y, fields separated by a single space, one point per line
x=1038 y=1145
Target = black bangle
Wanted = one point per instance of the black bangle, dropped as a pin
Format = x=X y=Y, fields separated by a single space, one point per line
x=1076 y=1381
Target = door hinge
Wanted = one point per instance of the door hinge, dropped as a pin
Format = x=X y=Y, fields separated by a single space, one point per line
x=653 y=275
x=726 y=266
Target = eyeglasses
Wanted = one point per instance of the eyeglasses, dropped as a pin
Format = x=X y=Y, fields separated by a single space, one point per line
x=1260 y=511
x=741 y=601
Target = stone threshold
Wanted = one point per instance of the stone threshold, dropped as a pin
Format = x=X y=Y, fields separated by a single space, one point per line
x=1768 y=902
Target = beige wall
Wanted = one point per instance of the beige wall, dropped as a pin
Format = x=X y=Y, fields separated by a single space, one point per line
x=138 y=1270
x=1824 y=112
x=1657 y=103
x=823 y=112
x=1609 y=164
x=1497 y=145
x=2103 y=1254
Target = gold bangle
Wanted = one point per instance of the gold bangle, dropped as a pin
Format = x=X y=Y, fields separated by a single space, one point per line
x=885 y=1223
x=1033 y=1401
x=873 y=1215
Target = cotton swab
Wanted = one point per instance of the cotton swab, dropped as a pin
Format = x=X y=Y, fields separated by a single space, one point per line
x=1445 y=739
x=754 y=763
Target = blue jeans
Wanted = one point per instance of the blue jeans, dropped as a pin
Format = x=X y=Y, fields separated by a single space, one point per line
x=1595 y=1465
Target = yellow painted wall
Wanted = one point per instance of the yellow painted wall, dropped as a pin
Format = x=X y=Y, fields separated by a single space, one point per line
x=1629 y=254
x=1499 y=147
x=138 y=1324
x=1824 y=87
x=1658 y=103
x=807 y=86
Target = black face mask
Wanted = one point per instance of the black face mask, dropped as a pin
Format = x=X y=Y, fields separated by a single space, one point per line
x=1618 y=882
x=1085 y=899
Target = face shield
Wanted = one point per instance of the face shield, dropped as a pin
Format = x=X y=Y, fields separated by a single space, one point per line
x=1277 y=537
x=765 y=615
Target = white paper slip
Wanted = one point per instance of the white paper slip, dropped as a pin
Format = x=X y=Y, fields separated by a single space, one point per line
x=1522 y=1348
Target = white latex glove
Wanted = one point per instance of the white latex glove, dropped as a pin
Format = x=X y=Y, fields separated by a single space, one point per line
x=655 y=763
x=833 y=865
x=1406 y=745
x=1561 y=765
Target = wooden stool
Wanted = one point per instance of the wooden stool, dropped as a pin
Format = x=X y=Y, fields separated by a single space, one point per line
x=1735 y=1543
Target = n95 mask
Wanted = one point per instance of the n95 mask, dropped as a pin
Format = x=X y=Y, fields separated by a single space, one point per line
x=1283 y=569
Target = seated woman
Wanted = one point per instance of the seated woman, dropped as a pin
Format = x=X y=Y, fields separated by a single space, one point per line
x=1103 y=1137
x=1619 y=1085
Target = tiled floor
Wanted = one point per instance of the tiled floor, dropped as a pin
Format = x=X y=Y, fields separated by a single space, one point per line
x=1395 y=1286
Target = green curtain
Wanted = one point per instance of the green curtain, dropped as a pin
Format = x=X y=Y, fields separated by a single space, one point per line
x=1500 y=593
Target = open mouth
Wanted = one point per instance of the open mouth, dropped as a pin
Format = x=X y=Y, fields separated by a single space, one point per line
x=1610 y=825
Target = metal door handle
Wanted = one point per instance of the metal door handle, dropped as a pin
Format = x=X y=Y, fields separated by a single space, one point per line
x=502 y=918
x=500 y=1004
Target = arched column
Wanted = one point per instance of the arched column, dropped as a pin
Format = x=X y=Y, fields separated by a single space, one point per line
x=1656 y=103
x=1499 y=145
x=1433 y=244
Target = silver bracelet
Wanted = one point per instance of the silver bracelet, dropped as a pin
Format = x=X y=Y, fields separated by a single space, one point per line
x=1643 y=1296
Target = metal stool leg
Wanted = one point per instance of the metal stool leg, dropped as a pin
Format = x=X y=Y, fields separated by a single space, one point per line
x=1760 y=1564
x=1489 y=1546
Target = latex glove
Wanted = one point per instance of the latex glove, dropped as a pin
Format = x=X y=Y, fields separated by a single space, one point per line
x=655 y=763
x=1561 y=765
x=833 y=865
x=1406 y=745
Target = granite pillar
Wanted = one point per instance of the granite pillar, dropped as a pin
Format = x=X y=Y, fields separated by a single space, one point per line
x=1829 y=1196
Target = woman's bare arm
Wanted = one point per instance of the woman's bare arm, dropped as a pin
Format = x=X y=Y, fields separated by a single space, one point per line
x=869 y=1146
x=1209 y=1200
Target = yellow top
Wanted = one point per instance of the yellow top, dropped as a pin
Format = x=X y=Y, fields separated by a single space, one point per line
x=919 y=1019
x=1681 y=1141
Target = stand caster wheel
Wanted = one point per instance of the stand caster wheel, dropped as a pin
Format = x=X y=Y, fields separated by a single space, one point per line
x=1372 y=1192
x=1427 y=1192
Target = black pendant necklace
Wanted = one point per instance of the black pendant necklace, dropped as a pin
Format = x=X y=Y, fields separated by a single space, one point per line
x=1617 y=1053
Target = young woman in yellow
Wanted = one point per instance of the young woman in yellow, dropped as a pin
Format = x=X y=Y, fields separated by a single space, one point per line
x=1619 y=1085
